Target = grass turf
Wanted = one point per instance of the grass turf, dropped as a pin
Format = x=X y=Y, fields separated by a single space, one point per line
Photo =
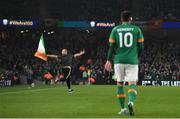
x=87 y=101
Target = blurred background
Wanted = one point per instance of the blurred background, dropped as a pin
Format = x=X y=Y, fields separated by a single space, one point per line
x=86 y=24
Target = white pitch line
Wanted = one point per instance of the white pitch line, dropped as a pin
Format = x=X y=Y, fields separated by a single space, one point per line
x=29 y=90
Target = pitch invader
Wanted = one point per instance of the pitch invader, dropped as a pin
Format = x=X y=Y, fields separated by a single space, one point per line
x=126 y=42
x=66 y=61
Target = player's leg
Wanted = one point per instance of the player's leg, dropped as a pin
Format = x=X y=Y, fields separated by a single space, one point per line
x=119 y=73
x=68 y=82
x=132 y=92
x=121 y=97
x=131 y=77
x=67 y=72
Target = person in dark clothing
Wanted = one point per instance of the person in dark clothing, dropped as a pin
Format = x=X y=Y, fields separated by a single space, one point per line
x=66 y=60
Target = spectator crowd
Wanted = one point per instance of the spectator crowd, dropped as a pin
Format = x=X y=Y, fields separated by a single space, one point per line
x=160 y=59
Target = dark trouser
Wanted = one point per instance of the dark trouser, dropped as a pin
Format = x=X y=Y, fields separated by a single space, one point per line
x=67 y=76
x=29 y=80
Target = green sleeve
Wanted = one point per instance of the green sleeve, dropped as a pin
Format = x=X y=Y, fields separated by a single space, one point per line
x=140 y=42
x=140 y=49
x=110 y=52
x=112 y=42
x=140 y=34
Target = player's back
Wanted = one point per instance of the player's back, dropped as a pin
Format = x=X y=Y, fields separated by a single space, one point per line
x=126 y=48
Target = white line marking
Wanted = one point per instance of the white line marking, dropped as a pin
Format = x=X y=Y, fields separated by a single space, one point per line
x=29 y=90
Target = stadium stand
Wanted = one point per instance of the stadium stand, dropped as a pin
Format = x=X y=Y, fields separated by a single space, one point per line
x=18 y=49
x=160 y=60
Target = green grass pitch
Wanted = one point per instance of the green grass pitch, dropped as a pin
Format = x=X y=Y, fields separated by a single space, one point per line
x=86 y=102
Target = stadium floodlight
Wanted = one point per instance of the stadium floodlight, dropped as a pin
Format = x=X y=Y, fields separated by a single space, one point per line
x=21 y=31
x=52 y=32
x=5 y=21
x=92 y=23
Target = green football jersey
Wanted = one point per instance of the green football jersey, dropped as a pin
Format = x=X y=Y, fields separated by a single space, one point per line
x=126 y=43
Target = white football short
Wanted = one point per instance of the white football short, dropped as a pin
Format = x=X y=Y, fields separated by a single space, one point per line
x=126 y=72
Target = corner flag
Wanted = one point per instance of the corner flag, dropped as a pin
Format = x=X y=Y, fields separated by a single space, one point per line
x=41 y=52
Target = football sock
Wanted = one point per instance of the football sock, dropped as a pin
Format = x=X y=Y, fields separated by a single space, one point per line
x=121 y=96
x=132 y=93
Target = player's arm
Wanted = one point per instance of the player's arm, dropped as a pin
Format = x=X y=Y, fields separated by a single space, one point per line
x=79 y=54
x=53 y=56
x=111 y=49
x=140 y=43
x=112 y=41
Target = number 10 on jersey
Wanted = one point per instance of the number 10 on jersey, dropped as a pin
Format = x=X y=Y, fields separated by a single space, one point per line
x=125 y=40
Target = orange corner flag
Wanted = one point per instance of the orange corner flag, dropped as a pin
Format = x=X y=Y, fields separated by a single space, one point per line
x=41 y=52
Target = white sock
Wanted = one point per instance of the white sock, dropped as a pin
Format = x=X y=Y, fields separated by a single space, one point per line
x=123 y=109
